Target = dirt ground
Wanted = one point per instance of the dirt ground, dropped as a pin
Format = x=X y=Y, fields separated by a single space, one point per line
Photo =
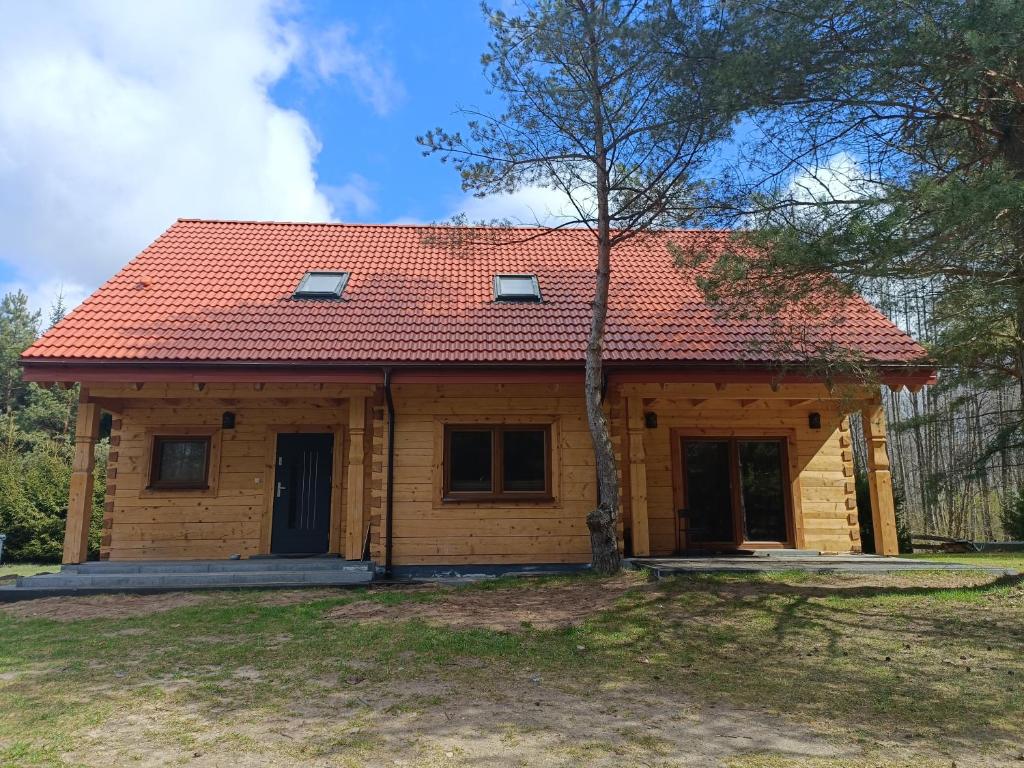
x=437 y=722
x=506 y=610
x=101 y=606
x=555 y=606
x=441 y=709
x=123 y=606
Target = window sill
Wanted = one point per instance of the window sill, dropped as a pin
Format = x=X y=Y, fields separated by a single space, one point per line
x=177 y=490
x=488 y=498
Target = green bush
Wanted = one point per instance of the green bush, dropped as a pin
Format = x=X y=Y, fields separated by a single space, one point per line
x=34 y=487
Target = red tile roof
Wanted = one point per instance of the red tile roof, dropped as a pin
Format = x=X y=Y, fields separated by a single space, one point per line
x=209 y=291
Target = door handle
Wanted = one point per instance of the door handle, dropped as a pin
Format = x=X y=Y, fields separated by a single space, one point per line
x=280 y=488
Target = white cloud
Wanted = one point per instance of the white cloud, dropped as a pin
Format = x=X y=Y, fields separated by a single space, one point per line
x=841 y=178
x=118 y=117
x=354 y=198
x=334 y=53
x=821 y=197
x=529 y=206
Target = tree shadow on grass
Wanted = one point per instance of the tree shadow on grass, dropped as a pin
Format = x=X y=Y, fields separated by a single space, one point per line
x=733 y=657
x=913 y=659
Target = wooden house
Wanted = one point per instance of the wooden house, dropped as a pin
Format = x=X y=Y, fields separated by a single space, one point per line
x=392 y=393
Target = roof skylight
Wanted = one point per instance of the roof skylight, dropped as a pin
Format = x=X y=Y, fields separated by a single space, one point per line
x=516 y=288
x=321 y=285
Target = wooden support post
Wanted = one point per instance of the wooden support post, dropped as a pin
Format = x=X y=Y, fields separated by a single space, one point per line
x=355 y=508
x=76 y=534
x=883 y=509
x=640 y=528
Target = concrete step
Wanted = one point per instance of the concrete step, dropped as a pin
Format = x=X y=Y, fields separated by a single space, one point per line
x=172 y=581
x=220 y=566
x=785 y=553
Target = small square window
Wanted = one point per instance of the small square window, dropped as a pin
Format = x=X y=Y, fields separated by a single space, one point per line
x=516 y=288
x=180 y=462
x=321 y=285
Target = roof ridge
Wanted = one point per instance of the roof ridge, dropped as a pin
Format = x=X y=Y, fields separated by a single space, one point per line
x=383 y=225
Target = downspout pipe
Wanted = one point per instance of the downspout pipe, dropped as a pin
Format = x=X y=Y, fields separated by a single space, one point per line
x=389 y=502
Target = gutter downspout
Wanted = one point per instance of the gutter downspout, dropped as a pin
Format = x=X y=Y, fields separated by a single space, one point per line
x=389 y=505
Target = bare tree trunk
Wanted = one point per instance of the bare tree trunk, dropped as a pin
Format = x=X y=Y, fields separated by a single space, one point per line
x=602 y=522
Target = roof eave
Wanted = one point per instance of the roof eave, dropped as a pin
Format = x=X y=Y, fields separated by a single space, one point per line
x=44 y=370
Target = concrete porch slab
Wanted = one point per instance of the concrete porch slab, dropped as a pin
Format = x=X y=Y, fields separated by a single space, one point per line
x=667 y=566
x=171 y=576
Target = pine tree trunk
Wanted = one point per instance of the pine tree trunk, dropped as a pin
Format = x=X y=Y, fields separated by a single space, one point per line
x=603 y=522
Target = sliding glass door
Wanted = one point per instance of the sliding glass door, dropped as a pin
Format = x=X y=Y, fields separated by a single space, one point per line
x=734 y=491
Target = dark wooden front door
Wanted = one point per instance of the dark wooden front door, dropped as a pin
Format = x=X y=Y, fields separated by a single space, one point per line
x=734 y=492
x=302 y=494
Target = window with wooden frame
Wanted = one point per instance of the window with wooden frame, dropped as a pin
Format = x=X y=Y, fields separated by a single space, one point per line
x=180 y=462
x=498 y=461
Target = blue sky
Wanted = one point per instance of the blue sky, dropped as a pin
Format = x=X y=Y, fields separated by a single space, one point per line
x=118 y=117
x=434 y=49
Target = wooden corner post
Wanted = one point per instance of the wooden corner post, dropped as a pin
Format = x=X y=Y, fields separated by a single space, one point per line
x=640 y=529
x=883 y=508
x=76 y=534
x=354 y=507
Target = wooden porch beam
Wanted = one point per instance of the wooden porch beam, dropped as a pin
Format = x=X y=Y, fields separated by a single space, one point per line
x=640 y=526
x=355 y=485
x=809 y=392
x=883 y=508
x=76 y=533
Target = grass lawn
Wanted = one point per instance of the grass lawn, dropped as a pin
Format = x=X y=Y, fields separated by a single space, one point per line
x=779 y=670
x=1014 y=560
x=8 y=571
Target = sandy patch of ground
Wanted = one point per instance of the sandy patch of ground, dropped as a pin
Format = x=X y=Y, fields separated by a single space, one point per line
x=294 y=596
x=122 y=606
x=555 y=606
x=506 y=609
x=495 y=712
x=100 y=606
x=438 y=721
x=448 y=719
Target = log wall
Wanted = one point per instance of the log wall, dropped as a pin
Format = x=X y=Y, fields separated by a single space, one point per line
x=821 y=460
x=428 y=530
x=234 y=516
x=234 y=519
